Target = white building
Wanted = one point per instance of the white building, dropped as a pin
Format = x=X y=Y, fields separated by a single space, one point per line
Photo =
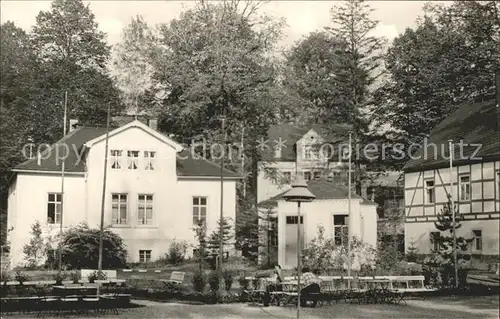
x=329 y=210
x=155 y=191
x=320 y=156
x=309 y=150
x=475 y=177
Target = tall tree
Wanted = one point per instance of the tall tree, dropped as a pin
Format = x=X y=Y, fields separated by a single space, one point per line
x=361 y=66
x=311 y=73
x=211 y=61
x=214 y=60
x=449 y=59
x=18 y=70
x=73 y=55
x=131 y=70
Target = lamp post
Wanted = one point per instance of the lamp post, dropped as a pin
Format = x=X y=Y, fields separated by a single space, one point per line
x=299 y=193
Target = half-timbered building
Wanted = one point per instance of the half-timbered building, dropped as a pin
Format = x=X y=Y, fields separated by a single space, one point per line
x=474 y=175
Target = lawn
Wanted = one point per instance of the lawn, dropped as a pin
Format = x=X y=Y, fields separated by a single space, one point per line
x=433 y=308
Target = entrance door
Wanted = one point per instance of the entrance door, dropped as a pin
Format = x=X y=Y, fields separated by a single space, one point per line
x=291 y=239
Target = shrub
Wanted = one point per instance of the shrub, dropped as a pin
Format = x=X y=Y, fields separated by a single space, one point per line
x=75 y=276
x=177 y=252
x=97 y=275
x=59 y=277
x=34 y=250
x=199 y=282
x=214 y=281
x=21 y=277
x=412 y=252
x=81 y=248
x=228 y=279
x=244 y=283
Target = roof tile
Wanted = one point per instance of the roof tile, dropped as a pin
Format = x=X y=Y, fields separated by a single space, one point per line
x=75 y=140
x=474 y=125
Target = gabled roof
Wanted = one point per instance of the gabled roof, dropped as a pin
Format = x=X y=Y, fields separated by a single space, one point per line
x=290 y=134
x=187 y=166
x=140 y=125
x=477 y=124
x=75 y=141
x=323 y=190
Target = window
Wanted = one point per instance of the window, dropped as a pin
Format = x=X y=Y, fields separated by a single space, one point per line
x=144 y=256
x=116 y=159
x=465 y=187
x=429 y=189
x=307 y=175
x=317 y=175
x=199 y=211
x=54 y=206
x=287 y=177
x=311 y=153
x=341 y=229
x=119 y=209
x=145 y=209
x=434 y=240
x=149 y=158
x=273 y=231
x=370 y=193
x=307 y=153
x=293 y=220
x=133 y=159
x=477 y=241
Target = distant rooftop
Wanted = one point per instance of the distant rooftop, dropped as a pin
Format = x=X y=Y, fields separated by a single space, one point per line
x=473 y=124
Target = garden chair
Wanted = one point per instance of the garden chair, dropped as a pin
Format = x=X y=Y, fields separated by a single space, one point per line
x=176 y=278
x=258 y=290
x=327 y=291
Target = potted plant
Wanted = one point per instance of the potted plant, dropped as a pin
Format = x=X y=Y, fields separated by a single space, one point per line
x=75 y=276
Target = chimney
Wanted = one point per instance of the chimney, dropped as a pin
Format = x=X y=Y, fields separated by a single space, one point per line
x=153 y=123
x=73 y=124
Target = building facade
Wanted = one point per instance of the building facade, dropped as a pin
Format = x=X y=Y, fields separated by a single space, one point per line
x=156 y=191
x=473 y=181
x=307 y=150
x=320 y=155
x=330 y=211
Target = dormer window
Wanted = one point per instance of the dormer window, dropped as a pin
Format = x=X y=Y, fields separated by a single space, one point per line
x=133 y=159
x=307 y=175
x=149 y=159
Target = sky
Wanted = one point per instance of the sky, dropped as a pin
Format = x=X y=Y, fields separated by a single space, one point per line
x=302 y=17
